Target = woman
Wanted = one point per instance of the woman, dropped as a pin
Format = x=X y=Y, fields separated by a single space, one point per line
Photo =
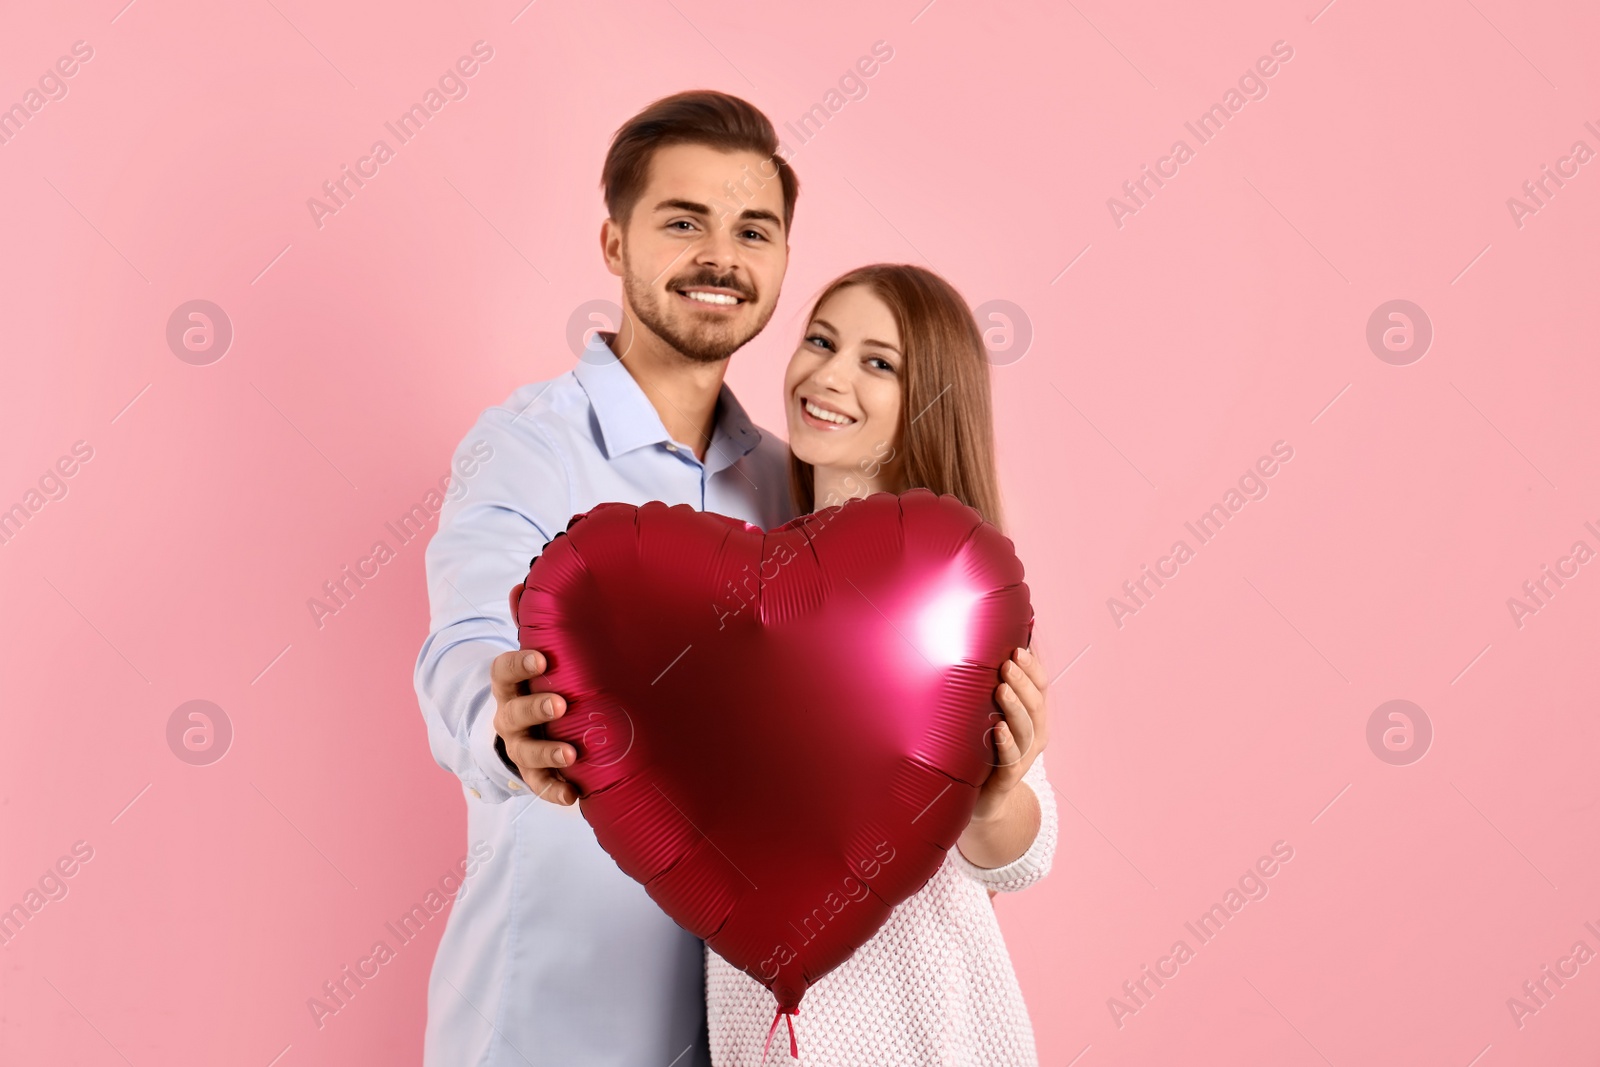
x=888 y=391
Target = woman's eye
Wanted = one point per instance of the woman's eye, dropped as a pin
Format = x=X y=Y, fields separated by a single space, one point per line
x=879 y=363
x=820 y=341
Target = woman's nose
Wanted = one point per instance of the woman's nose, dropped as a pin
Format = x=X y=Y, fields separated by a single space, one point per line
x=831 y=375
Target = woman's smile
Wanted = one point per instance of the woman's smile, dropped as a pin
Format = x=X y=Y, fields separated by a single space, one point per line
x=824 y=417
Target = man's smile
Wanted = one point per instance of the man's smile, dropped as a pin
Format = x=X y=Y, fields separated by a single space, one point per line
x=711 y=298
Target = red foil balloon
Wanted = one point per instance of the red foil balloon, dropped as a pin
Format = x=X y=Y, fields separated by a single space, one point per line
x=779 y=734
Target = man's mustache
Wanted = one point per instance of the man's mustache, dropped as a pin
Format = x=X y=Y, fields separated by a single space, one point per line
x=711 y=281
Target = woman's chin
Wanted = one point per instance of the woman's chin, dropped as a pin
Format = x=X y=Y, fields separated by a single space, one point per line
x=803 y=443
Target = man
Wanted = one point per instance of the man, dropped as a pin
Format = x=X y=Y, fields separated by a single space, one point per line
x=551 y=954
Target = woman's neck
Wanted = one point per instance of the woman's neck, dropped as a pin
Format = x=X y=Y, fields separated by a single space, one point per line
x=835 y=485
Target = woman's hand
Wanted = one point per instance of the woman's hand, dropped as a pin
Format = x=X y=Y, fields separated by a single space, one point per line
x=1006 y=819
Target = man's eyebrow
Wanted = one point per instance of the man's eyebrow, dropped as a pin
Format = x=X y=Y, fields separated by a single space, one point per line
x=683 y=205
x=760 y=215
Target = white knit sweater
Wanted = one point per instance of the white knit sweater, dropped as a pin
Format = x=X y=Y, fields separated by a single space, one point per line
x=932 y=988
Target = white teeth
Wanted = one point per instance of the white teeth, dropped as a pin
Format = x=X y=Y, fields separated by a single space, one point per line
x=827 y=416
x=711 y=298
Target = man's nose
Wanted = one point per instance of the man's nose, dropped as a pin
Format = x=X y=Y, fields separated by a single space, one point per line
x=718 y=249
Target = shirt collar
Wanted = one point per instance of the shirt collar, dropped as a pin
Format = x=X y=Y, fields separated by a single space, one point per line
x=628 y=420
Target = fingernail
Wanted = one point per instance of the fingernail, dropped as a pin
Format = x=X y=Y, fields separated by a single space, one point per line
x=1025 y=655
x=530 y=661
x=560 y=757
x=548 y=707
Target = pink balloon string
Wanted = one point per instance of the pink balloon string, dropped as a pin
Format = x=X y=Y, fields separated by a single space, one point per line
x=787 y=1016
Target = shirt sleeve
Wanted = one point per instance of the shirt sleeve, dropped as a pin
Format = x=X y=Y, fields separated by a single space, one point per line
x=1033 y=864
x=509 y=494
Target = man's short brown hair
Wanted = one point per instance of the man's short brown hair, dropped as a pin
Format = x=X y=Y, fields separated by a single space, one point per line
x=700 y=116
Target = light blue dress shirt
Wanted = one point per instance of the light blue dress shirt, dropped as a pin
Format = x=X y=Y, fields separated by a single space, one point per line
x=553 y=956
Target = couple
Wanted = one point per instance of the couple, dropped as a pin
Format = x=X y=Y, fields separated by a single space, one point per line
x=552 y=955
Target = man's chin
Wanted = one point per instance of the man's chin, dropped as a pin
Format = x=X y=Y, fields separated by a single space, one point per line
x=710 y=346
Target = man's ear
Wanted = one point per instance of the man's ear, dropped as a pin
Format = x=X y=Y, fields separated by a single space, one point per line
x=611 y=238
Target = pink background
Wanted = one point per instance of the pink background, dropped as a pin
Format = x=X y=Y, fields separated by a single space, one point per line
x=1229 y=313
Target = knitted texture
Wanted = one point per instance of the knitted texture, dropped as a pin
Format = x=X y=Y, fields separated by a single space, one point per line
x=934 y=986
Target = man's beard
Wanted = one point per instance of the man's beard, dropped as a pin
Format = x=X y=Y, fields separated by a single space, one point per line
x=704 y=342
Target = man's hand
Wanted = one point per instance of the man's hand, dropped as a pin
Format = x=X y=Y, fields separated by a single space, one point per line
x=517 y=713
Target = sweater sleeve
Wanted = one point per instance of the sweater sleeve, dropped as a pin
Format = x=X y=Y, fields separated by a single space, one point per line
x=1033 y=864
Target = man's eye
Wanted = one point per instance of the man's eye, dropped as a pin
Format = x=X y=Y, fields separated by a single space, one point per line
x=757 y=234
x=681 y=222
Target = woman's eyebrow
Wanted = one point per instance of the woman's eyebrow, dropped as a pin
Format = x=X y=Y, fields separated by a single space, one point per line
x=869 y=341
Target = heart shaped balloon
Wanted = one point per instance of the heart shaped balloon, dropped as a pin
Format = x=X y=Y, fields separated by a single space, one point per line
x=780 y=734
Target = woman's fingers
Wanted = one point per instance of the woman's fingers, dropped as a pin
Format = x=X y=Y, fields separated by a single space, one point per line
x=1017 y=711
x=1035 y=669
x=1026 y=675
x=1007 y=754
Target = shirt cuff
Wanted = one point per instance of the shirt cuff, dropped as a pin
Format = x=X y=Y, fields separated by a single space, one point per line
x=501 y=780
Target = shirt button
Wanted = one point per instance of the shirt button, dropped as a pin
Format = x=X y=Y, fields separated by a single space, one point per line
x=671 y=447
x=475 y=793
x=514 y=784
